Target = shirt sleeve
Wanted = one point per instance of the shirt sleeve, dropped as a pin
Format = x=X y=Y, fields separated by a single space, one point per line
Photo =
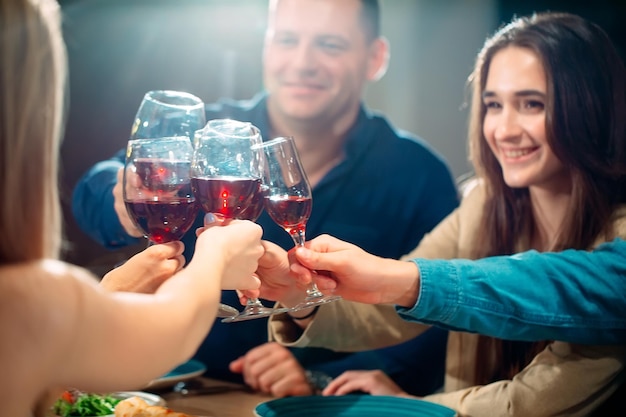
x=93 y=204
x=574 y=296
x=361 y=327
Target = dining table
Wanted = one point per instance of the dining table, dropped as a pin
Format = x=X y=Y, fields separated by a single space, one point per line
x=207 y=397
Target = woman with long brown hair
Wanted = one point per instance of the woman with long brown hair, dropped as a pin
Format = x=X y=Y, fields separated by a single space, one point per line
x=582 y=107
x=548 y=143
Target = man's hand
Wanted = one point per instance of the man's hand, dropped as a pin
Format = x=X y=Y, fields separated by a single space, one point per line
x=346 y=270
x=277 y=281
x=272 y=369
x=239 y=241
x=373 y=382
x=120 y=207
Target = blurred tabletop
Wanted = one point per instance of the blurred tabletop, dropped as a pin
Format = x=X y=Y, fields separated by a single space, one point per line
x=213 y=398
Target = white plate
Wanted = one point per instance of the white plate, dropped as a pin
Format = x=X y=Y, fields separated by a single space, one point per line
x=151 y=399
x=184 y=372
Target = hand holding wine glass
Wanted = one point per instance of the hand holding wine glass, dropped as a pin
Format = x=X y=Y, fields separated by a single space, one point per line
x=289 y=201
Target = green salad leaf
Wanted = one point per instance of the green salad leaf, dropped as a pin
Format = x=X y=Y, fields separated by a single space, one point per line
x=80 y=404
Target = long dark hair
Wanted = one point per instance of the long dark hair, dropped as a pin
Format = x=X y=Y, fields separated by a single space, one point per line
x=585 y=128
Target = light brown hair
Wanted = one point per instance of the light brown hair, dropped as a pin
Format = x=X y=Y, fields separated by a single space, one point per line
x=33 y=72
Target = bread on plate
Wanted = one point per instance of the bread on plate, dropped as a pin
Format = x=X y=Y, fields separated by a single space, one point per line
x=137 y=407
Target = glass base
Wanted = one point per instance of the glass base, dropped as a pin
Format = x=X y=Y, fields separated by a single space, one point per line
x=315 y=301
x=252 y=312
x=227 y=311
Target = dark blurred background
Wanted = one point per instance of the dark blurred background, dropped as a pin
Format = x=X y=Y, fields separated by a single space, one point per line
x=119 y=49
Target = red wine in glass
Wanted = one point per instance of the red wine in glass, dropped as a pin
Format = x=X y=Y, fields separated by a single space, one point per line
x=163 y=220
x=289 y=212
x=157 y=192
x=228 y=196
x=256 y=206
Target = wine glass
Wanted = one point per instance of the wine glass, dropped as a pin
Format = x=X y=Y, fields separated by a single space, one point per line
x=167 y=113
x=226 y=180
x=157 y=187
x=162 y=115
x=288 y=201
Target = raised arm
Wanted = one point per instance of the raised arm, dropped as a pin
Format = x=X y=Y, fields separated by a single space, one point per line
x=94 y=205
x=102 y=340
x=574 y=296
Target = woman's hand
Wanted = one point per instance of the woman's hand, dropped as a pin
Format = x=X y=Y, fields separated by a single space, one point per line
x=239 y=245
x=348 y=271
x=147 y=270
x=372 y=382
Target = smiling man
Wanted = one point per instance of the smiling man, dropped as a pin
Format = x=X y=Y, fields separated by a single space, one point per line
x=319 y=55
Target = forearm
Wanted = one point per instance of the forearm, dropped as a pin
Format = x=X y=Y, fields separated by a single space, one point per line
x=574 y=296
x=346 y=326
x=93 y=206
x=177 y=318
x=403 y=279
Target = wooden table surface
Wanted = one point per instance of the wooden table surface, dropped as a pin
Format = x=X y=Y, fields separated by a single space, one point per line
x=234 y=403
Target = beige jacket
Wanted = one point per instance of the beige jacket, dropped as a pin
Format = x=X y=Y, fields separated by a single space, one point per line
x=563 y=380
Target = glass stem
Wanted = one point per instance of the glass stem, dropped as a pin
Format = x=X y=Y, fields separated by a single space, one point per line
x=254 y=302
x=298 y=236
x=312 y=291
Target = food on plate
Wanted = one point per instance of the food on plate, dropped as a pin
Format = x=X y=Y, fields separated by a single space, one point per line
x=75 y=403
x=137 y=407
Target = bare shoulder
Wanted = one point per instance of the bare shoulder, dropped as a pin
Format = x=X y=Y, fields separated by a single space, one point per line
x=38 y=307
x=33 y=277
x=38 y=296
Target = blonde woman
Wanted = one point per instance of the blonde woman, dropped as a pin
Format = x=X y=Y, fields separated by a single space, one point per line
x=58 y=326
